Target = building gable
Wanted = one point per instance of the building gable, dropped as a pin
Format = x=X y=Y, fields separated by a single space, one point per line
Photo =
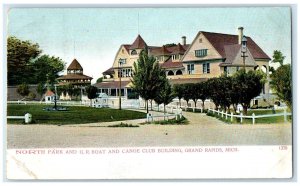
x=237 y=60
x=123 y=53
x=200 y=49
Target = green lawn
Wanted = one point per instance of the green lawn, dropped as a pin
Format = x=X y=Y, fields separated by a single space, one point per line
x=74 y=115
x=268 y=120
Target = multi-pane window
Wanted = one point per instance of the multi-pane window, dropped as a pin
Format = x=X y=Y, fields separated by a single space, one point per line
x=122 y=61
x=126 y=72
x=206 y=68
x=174 y=57
x=191 y=68
x=201 y=53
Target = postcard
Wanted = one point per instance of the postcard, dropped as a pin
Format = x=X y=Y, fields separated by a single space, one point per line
x=148 y=93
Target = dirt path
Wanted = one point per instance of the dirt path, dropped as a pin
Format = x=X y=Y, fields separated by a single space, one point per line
x=202 y=130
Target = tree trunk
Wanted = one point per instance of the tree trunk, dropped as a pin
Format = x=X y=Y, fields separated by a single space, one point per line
x=151 y=103
x=164 y=111
x=179 y=103
x=234 y=107
x=195 y=101
x=158 y=108
x=203 y=104
x=91 y=102
x=245 y=109
x=147 y=109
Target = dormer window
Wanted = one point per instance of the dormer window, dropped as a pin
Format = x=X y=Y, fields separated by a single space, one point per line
x=133 y=52
x=174 y=57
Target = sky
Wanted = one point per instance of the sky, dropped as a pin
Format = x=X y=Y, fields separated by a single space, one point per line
x=94 y=35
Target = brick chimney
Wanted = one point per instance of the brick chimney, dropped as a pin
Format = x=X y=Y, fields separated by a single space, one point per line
x=183 y=40
x=240 y=34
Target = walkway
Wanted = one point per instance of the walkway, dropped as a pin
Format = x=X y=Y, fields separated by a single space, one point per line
x=202 y=130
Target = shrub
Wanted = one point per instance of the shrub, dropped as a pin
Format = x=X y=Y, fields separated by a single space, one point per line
x=123 y=125
x=180 y=121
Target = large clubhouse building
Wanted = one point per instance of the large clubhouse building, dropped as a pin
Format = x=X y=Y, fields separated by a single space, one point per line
x=209 y=55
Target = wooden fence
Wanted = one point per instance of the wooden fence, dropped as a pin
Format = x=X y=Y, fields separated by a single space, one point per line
x=253 y=116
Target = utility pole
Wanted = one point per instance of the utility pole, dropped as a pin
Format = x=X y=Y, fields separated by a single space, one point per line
x=119 y=67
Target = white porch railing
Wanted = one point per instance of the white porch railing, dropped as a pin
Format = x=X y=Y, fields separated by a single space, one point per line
x=253 y=116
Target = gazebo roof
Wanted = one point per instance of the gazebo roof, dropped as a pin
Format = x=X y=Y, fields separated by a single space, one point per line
x=75 y=65
x=75 y=77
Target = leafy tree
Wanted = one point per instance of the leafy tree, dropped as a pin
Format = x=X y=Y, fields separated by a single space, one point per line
x=250 y=85
x=31 y=95
x=99 y=80
x=212 y=85
x=159 y=100
x=278 y=57
x=46 y=69
x=165 y=95
x=234 y=94
x=225 y=92
x=178 y=91
x=23 y=89
x=25 y=66
x=282 y=84
x=40 y=89
x=187 y=94
x=202 y=92
x=19 y=56
x=220 y=89
x=194 y=92
x=147 y=77
x=91 y=92
x=170 y=45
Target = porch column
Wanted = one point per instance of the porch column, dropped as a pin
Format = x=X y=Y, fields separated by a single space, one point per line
x=125 y=92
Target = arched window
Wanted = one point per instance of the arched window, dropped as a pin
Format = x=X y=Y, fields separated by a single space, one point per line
x=133 y=52
x=170 y=73
x=264 y=68
x=178 y=72
x=256 y=67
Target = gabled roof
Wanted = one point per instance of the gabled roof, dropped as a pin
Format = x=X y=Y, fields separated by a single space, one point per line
x=160 y=51
x=234 y=58
x=49 y=93
x=127 y=47
x=75 y=65
x=178 y=49
x=219 y=40
x=231 y=52
x=138 y=43
x=169 y=64
x=108 y=71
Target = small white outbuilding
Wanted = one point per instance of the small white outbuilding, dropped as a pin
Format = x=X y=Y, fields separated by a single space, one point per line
x=49 y=96
x=101 y=101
